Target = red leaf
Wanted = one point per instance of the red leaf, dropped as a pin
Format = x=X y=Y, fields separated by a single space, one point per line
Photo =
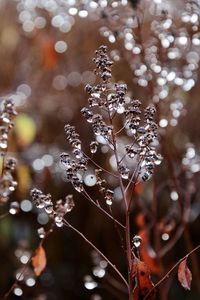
x=39 y=260
x=184 y=275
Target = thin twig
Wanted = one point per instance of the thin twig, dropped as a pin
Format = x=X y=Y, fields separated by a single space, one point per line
x=17 y=279
x=127 y=228
x=66 y=223
x=4 y=215
x=171 y=270
x=26 y=266
x=133 y=176
x=120 y=130
x=87 y=196
x=100 y=167
x=163 y=251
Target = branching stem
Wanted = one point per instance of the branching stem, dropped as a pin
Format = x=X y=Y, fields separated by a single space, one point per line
x=66 y=223
x=171 y=270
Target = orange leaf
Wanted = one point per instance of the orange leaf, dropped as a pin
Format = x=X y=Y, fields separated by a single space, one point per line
x=39 y=260
x=138 y=189
x=140 y=220
x=147 y=253
x=144 y=285
x=184 y=275
x=50 y=58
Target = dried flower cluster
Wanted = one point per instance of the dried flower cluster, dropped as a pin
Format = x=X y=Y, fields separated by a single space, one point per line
x=6 y=118
x=57 y=211
x=162 y=51
x=7 y=182
x=108 y=102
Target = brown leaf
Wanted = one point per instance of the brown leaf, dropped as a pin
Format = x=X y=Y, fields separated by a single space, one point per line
x=39 y=260
x=184 y=275
x=143 y=286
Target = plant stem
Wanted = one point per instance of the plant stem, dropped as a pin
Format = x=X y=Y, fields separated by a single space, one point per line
x=171 y=270
x=85 y=194
x=66 y=223
x=127 y=213
x=26 y=266
x=4 y=215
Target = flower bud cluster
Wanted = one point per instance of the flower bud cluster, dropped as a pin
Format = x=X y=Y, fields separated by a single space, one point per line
x=61 y=208
x=143 y=148
x=103 y=63
x=6 y=119
x=7 y=182
x=74 y=168
x=113 y=99
x=102 y=185
x=107 y=101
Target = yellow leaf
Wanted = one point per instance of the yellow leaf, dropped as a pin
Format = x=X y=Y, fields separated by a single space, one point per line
x=24 y=179
x=25 y=129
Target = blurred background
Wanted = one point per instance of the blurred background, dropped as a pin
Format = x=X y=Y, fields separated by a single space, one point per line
x=46 y=52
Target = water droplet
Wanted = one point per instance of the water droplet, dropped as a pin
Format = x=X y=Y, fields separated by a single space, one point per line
x=41 y=232
x=49 y=208
x=137 y=241
x=99 y=272
x=14 y=208
x=78 y=153
x=3 y=144
x=40 y=204
x=165 y=236
x=18 y=291
x=158 y=160
x=90 y=180
x=174 y=195
x=93 y=147
x=59 y=221
x=89 y=283
x=109 y=201
x=69 y=203
x=59 y=224
x=30 y=282
x=78 y=186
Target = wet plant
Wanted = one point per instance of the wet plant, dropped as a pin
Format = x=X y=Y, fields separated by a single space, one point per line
x=111 y=114
x=8 y=164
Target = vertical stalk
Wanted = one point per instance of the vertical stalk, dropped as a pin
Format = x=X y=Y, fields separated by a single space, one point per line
x=127 y=214
x=127 y=226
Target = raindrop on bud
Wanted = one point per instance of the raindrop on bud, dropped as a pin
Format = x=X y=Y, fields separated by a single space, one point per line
x=109 y=201
x=41 y=232
x=93 y=147
x=137 y=241
x=69 y=203
x=49 y=208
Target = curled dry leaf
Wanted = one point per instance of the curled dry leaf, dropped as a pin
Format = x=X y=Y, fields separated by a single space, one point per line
x=143 y=283
x=184 y=275
x=39 y=260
